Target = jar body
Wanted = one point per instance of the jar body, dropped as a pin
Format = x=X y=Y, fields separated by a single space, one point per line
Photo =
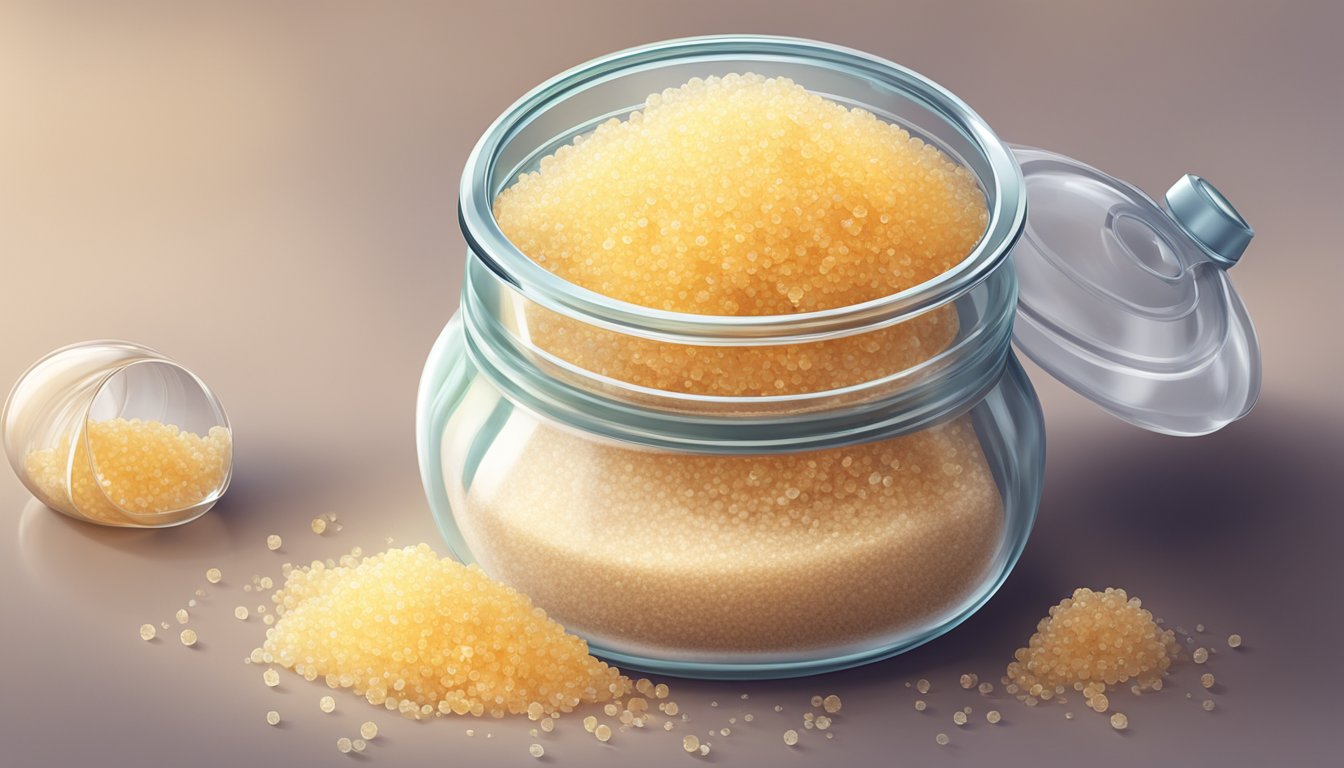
x=733 y=565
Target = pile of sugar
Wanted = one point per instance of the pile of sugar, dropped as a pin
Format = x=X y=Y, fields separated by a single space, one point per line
x=426 y=636
x=143 y=468
x=1090 y=641
x=744 y=195
x=671 y=554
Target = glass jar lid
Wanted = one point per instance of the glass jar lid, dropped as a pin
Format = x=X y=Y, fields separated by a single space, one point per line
x=1130 y=304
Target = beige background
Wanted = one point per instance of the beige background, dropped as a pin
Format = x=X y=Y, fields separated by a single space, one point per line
x=266 y=191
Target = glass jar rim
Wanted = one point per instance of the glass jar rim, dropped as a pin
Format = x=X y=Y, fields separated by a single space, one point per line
x=486 y=240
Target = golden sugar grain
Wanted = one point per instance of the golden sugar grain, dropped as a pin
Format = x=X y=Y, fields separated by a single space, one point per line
x=147 y=632
x=1090 y=641
x=376 y=627
x=213 y=575
x=140 y=469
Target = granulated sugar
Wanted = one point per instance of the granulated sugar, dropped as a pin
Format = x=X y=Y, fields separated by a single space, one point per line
x=426 y=636
x=744 y=195
x=143 y=468
x=740 y=554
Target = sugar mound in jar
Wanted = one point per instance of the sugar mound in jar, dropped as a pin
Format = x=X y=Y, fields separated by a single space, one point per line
x=426 y=636
x=144 y=467
x=1088 y=642
x=745 y=195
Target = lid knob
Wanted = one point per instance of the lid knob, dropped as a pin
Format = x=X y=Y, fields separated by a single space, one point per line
x=1209 y=219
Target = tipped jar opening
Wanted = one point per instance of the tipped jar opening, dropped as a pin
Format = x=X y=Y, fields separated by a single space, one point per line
x=575 y=102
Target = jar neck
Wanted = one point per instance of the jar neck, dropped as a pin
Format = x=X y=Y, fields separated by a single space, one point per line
x=504 y=338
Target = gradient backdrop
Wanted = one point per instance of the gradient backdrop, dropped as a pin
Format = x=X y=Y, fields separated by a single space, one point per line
x=266 y=191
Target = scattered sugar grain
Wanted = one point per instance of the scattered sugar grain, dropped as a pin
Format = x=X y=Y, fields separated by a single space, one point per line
x=993 y=716
x=319 y=525
x=188 y=637
x=690 y=742
x=270 y=677
x=791 y=737
x=214 y=575
x=941 y=739
x=182 y=616
x=147 y=632
x=1234 y=641
x=240 y=613
x=344 y=745
x=327 y=704
x=359 y=745
x=969 y=681
x=272 y=717
x=831 y=703
x=959 y=717
x=920 y=705
x=922 y=685
x=1208 y=705
x=536 y=750
x=1200 y=655
x=1206 y=680
x=1119 y=722
x=273 y=542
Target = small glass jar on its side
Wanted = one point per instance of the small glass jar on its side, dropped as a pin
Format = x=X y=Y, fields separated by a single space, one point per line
x=115 y=433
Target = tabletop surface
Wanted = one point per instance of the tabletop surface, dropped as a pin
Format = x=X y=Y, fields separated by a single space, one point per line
x=266 y=192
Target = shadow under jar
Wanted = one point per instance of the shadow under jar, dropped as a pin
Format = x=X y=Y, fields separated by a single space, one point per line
x=719 y=531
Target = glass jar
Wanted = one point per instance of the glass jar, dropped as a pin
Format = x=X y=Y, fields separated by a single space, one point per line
x=635 y=473
x=118 y=434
